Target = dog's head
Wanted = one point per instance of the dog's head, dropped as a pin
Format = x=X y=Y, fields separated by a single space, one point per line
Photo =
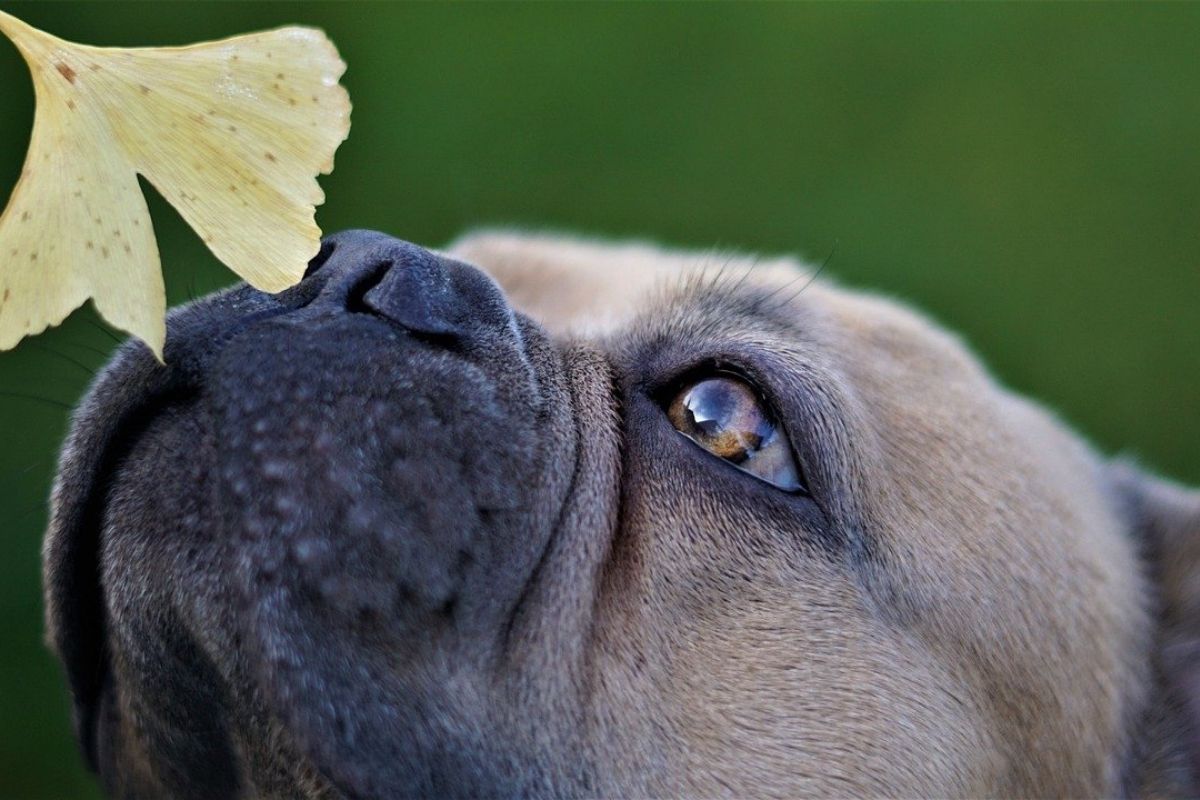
x=611 y=521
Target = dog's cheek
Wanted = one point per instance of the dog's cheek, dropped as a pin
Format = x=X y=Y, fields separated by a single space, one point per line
x=164 y=726
x=1164 y=519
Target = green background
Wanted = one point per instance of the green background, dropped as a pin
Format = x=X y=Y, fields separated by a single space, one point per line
x=1029 y=174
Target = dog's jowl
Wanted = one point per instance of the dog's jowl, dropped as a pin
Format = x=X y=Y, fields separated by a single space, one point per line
x=536 y=517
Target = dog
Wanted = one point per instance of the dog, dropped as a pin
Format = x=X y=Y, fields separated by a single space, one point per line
x=536 y=516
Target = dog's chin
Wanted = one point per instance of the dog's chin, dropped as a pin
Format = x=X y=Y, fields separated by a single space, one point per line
x=336 y=562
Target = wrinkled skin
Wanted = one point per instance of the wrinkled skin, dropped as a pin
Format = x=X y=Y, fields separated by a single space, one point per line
x=410 y=529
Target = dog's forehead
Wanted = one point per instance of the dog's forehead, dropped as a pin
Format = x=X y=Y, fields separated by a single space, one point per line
x=598 y=289
x=580 y=286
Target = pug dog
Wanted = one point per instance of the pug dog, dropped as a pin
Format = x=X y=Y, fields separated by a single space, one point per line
x=544 y=517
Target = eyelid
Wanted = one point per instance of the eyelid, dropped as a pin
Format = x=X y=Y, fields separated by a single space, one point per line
x=664 y=390
x=810 y=414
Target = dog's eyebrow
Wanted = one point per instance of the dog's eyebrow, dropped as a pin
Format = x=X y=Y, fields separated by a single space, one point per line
x=734 y=270
x=782 y=298
x=709 y=305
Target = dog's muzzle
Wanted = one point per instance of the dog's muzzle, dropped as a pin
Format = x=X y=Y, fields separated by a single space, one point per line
x=375 y=463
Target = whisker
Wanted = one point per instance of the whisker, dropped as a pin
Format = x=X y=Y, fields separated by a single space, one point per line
x=102 y=353
x=64 y=357
x=832 y=252
x=692 y=281
x=714 y=253
x=762 y=301
x=752 y=263
x=39 y=399
x=15 y=475
x=41 y=506
x=105 y=331
x=725 y=281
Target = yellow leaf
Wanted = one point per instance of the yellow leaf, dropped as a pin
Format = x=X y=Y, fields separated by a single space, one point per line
x=232 y=133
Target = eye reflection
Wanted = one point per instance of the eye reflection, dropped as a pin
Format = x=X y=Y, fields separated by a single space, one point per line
x=724 y=415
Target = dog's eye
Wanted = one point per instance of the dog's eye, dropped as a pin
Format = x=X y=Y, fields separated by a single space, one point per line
x=725 y=416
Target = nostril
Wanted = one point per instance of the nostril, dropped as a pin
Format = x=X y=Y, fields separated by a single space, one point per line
x=322 y=256
x=371 y=274
x=356 y=298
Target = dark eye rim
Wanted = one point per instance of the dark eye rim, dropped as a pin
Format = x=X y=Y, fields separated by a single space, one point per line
x=664 y=391
x=715 y=367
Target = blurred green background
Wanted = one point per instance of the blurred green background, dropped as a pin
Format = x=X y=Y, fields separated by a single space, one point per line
x=1029 y=174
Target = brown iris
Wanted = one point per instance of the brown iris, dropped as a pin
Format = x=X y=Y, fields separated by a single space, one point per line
x=725 y=416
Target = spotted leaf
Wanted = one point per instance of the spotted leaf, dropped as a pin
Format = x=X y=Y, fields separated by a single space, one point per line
x=232 y=133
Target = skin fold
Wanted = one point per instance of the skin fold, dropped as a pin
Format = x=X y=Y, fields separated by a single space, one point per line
x=422 y=526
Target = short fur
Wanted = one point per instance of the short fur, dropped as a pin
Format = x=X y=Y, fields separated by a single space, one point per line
x=403 y=531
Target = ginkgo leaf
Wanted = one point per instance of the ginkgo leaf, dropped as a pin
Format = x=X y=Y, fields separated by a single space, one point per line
x=232 y=133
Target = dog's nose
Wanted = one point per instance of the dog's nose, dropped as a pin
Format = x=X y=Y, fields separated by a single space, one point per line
x=426 y=293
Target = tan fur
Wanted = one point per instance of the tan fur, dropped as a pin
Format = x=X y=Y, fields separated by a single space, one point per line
x=999 y=644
